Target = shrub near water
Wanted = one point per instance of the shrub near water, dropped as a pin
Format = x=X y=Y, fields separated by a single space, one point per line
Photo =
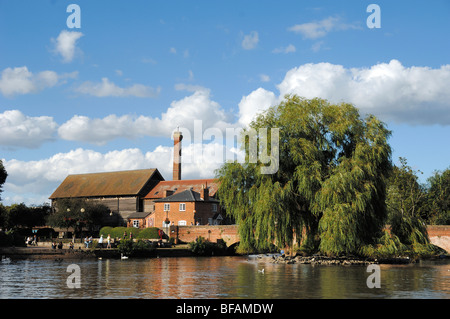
x=146 y=233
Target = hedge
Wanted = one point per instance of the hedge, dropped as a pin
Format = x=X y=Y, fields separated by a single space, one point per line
x=145 y=233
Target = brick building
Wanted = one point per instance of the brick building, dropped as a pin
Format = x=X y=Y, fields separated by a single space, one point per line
x=122 y=192
x=140 y=197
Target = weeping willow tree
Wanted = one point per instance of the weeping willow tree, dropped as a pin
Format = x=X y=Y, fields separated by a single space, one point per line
x=329 y=190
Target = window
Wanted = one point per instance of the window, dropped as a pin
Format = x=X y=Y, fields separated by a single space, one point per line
x=181 y=223
x=182 y=207
x=136 y=223
x=166 y=207
x=214 y=207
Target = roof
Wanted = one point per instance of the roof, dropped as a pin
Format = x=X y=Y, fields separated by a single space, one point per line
x=185 y=196
x=106 y=184
x=137 y=215
x=182 y=185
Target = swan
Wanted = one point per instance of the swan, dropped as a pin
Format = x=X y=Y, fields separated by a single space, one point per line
x=123 y=257
x=261 y=271
x=6 y=260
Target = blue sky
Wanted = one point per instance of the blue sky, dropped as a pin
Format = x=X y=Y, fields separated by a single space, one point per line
x=106 y=96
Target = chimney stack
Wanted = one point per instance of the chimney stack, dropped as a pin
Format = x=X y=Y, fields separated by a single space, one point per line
x=204 y=193
x=177 y=137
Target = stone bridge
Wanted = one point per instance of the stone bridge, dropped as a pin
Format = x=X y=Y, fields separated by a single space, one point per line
x=439 y=234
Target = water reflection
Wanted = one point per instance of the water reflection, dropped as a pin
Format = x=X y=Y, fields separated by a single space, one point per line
x=218 y=277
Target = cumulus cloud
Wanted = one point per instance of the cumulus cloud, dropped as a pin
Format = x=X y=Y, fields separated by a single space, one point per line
x=415 y=95
x=33 y=182
x=319 y=29
x=183 y=113
x=250 y=41
x=19 y=130
x=107 y=88
x=65 y=44
x=254 y=103
x=20 y=80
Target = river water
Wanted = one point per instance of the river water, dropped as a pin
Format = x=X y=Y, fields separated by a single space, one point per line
x=217 y=277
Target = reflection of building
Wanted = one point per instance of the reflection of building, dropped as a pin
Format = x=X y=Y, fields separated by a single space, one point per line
x=141 y=196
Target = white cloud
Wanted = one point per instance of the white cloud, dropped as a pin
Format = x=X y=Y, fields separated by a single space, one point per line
x=415 y=95
x=65 y=44
x=20 y=80
x=33 y=182
x=250 y=41
x=264 y=78
x=107 y=88
x=19 y=130
x=289 y=49
x=319 y=29
x=183 y=113
x=254 y=103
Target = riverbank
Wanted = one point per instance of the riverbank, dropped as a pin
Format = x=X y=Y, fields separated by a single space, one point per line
x=343 y=261
x=49 y=253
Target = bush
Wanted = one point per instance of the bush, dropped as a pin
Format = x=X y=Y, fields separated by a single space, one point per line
x=11 y=238
x=148 y=233
x=204 y=247
x=140 y=248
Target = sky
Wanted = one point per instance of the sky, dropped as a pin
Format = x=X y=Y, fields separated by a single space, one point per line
x=102 y=85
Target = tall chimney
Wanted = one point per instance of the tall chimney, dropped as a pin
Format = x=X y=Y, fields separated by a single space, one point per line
x=177 y=137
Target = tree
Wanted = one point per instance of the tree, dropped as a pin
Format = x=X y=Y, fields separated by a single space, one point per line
x=22 y=216
x=77 y=213
x=438 y=198
x=406 y=203
x=329 y=189
x=3 y=176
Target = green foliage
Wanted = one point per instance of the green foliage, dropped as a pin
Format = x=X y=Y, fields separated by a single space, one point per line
x=125 y=246
x=204 y=247
x=3 y=176
x=148 y=233
x=145 y=233
x=20 y=215
x=77 y=213
x=387 y=246
x=333 y=167
x=140 y=248
x=438 y=198
x=406 y=198
x=11 y=238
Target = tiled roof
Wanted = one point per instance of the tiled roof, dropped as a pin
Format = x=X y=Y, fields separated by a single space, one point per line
x=182 y=185
x=185 y=196
x=106 y=184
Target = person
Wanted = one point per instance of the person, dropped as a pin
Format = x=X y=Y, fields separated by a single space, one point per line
x=86 y=242
x=124 y=235
x=108 y=240
x=34 y=240
x=60 y=245
x=71 y=245
x=53 y=245
x=131 y=235
x=100 y=241
x=90 y=241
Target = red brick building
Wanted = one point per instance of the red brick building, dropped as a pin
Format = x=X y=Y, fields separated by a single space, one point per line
x=186 y=208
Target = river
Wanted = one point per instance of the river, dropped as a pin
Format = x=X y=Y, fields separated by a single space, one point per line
x=217 y=278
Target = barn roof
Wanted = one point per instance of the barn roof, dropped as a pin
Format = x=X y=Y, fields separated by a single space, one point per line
x=182 y=185
x=119 y=183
